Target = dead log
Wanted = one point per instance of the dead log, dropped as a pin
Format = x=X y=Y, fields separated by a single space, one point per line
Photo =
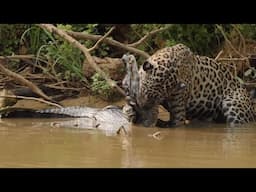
x=23 y=81
x=114 y=67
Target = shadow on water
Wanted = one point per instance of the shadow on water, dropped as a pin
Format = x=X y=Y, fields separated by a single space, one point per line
x=35 y=143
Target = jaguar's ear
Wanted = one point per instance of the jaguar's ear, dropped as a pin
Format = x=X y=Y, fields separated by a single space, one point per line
x=147 y=66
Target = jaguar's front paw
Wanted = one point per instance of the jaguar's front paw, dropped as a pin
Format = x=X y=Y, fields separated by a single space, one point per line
x=163 y=124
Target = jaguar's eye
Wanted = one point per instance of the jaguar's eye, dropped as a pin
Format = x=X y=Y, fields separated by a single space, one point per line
x=147 y=66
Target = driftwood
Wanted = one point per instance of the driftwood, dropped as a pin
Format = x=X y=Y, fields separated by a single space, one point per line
x=112 y=66
x=101 y=39
x=31 y=98
x=83 y=36
x=18 y=57
x=128 y=47
x=23 y=81
x=219 y=54
x=228 y=41
x=71 y=40
x=151 y=33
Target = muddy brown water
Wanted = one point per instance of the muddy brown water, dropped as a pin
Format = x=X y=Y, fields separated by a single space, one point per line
x=34 y=143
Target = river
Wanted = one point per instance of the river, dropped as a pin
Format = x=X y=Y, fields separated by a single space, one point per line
x=33 y=143
x=26 y=143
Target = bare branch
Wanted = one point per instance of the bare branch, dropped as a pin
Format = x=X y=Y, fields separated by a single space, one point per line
x=23 y=57
x=250 y=84
x=151 y=33
x=28 y=59
x=18 y=57
x=219 y=54
x=24 y=81
x=51 y=28
x=241 y=36
x=78 y=35
x=232 y=59
x=64 y=88
x=228 y=41
x=101 y=39
x=32 y=98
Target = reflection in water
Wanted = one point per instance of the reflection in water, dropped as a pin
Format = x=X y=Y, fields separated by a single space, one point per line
x=24 y=143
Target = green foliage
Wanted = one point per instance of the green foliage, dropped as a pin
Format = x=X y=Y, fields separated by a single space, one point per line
x=100 y=87
x=151 y=44
x=248 y=30
x=34 y=37
x=203 y=39
x=67 y=60
x=9 y=38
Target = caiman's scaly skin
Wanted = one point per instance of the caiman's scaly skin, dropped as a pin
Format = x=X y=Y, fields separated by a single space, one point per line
x=110 y=119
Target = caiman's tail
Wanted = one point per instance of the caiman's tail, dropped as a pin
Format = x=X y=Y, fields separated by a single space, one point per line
x=77 y=111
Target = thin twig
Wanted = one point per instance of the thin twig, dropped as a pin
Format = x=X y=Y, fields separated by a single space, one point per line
x=32 y=98
x=64 y=88
x=22 y=57
x=28 y=58
x=83 y=36
x=61 y=82
x=241 y=36
x=24 y=81
x=219 y=54
x=151 y=33
x=75 y=43
x=250 y=84
x=156 y=135
x=101 y=39
x=228 y=41
x=232 y=59
x=18 y=57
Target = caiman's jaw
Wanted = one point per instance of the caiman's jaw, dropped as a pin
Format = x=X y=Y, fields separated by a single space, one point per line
x=138 y=109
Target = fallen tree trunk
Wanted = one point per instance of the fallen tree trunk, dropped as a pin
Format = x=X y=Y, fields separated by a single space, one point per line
x=113 y=66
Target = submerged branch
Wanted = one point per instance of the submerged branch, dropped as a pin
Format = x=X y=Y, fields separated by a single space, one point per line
x=31 y=98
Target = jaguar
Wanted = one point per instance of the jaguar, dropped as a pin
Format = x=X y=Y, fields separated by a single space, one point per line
x=190 y=86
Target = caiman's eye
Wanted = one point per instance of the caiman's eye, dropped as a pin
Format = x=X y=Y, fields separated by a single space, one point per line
x=147 y=66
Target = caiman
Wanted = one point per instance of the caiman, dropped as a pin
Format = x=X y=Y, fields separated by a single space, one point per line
x=111 y=118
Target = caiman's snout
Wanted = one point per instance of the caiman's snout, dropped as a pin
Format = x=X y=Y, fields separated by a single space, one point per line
x=125 y=59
